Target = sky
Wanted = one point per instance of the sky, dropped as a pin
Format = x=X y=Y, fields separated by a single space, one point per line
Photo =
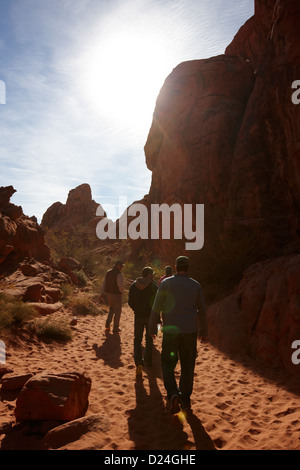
x=78 y=84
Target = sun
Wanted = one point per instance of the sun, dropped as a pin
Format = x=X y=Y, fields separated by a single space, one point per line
x=121 y=76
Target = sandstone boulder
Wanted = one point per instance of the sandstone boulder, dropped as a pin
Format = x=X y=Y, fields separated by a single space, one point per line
x=61 y=397
x=44 y=308
x=14 y=382
x=54 y=294
x=69 y=266
x=35 y=282
x=4 y=370
x=33 y=292
x=67 y=433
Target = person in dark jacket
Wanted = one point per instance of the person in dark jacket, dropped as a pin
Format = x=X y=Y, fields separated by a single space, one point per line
x=141 y=296
x=113 y=287
x=181 y=302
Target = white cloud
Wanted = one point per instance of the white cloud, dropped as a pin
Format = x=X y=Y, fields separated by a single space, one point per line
x=57 y=132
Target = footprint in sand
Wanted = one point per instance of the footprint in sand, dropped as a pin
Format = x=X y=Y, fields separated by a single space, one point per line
x=243 y=382
x=285 y=413
x=254 y=432
x=219 y=443
x=222 y=406
x=249 y=440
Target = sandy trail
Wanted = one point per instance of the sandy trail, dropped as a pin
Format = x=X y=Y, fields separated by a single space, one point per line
x=234 y=405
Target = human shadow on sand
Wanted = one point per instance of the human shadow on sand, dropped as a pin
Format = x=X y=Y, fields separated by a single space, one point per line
x=110 y=351
x=152 y=427
x=202 y=440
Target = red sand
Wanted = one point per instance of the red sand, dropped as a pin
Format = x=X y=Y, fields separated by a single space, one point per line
x=234 y=407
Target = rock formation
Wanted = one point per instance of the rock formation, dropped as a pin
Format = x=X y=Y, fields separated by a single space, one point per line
x=36 y=282
x=20 y=236
x=45 y=396
x=262 y=316
x=62 y=437
x=225 y=133
x=264 y=191
x=26 y=269
x=79 y=210
x=190 y=147
x=71 y=233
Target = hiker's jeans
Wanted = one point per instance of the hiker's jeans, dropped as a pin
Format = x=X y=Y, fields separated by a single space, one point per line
x=141 y=324
x=182 y=347
x=115 y=309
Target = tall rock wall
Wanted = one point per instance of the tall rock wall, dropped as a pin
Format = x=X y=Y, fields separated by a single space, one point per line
x=225 y=134
x=190 y=147
x=264 y=192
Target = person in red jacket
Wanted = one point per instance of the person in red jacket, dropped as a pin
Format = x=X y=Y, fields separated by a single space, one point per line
x=168 y=273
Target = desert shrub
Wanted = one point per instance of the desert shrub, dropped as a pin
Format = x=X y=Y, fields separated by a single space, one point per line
x=87 y=261
x=83 y=305
x=83 y=280
x=56 y=329
x=130 y=270
x=76 y=245
x=14 y=312
x=67 y=291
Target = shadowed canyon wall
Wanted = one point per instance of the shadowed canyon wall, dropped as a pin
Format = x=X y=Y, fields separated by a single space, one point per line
x=226 y=134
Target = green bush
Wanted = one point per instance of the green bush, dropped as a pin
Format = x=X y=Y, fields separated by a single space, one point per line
x=14 y=312
x=78 y=245
x=83 y=305
x=67 y=291
x=56 y=329
x=83 y=280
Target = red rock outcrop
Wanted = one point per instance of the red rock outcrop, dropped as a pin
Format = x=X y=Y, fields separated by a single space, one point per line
x=61 y=397
x=262 y=316
x=264 y=195
x=20 y=236
x=225 y=134
x=190 y=147
x=33 y=281
x=14 y=382
x=64 y=435
x=79 y=210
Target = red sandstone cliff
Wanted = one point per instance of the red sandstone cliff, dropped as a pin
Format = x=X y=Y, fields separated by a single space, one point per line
x=20 y=236
x=264 y=193
x=79 y=210
x=225 y=134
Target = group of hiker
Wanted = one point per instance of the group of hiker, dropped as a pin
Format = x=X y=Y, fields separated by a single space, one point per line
x=176 y=306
